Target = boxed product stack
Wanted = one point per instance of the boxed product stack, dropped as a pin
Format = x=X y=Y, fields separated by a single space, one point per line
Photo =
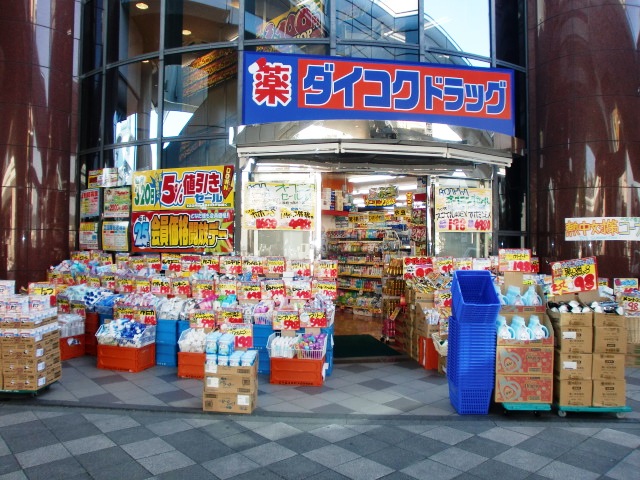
x=590 y=355
x=29 y=343
x=230 y=376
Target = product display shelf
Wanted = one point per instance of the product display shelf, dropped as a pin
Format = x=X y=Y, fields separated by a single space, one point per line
x=619 y=411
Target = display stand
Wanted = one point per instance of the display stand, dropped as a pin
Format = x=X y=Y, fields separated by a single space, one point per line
x=619 y=411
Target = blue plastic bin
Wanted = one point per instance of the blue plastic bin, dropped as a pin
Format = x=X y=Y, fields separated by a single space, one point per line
x=470 y=400
x=474 y=298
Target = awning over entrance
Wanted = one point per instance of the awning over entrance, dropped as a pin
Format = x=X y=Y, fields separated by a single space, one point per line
x=422 y=149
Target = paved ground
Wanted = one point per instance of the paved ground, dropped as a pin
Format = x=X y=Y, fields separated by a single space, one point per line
x=369 y=421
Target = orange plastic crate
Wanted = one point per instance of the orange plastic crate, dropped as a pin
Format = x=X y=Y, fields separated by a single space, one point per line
x=125 y=358
x=191 y=365
x=91 y=322
x=297 y=371
x=72 y=347
x=90 y=344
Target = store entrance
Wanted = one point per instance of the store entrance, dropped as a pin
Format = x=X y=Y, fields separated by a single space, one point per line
x=367 y=223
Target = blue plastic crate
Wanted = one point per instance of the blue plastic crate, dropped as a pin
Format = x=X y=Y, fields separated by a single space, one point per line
x=474 y=297
x=329 y=361
x=166 y=354
x=182 y=326
x=261 y=335
x=470 y=400
x=168 y=327
x=264 y=363
x=105 y=317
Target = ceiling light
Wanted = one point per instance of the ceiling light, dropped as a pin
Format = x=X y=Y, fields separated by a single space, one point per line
x=370 y=178
x=142 y=6
x=186 y=32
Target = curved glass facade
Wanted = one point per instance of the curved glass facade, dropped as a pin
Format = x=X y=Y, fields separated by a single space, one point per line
x=165 y=91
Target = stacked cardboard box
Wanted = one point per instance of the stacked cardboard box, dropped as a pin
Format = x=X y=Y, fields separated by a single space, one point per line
x=632 y=358
x=230 y=389
x=590 y=359
x=524 y=368
x=29 y=344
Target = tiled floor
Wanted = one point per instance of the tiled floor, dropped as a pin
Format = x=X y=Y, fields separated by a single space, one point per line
x=368 y=421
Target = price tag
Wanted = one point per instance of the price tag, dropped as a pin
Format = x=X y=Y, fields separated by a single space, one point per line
x=285 y=320
x=250 y=291
x=108 y=281
x=227 y=287
x=153 y=261
x=137 y=263
x=124 y=284
x=443 y=265
x=326 y=287
x=624 y=285
x=231 y=265
x=418 y=267
x=38 y=288
x=160 y=286
x=325 y=269
x=243 y=334
x=299 y=289
x=463 y=263
x=146 y=315
x=299 y=268
x=313 y=318
x=210 y=262
x=63 y=305
x=514 y=260
x=630 y=303
x=230 y=316
x=78 y=308
x=93 y=281
x=573 y=276
x=275 y=265
x=272 y=289
x=253 y=265
x=442 y=298
x=180 y=286
x=81 y=256
x=124 y=312
x=143 y=285
x=202 y=289
x=171 y=262
x=202 y=319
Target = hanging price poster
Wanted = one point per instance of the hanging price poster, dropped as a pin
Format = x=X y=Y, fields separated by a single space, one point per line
x=300 y=268
x=272 y=289
x=325 y=269
x=161 y=285
x=574 y=276
x=279 y=206
x=231 y=265
x=187 y=231
x=210 y=262
x=253 y=265
x=514 y=260
x=314 y=318
x=117 y=202
x=275 y=265
x=243 y=334
x=226 y=287
x=230 y=315
x=328 y=288
x=90 y=203
x=115 y=236
x=443 y=264
x=142 y=285
x=249 y=291
x=462 y=209
x=202 y=319
x=203 y=289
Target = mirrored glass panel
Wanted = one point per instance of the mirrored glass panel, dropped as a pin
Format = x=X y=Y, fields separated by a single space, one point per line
x=284 y=19
x=313 y=49
x=379 y=52
x=457 y=25
x=132 y=102
x=203 y=21
x=92 y=47
x=200 y=94
x=197 y=153
x=510 y=31
x=378 y=20
x=128 y=159
x=449 y=59
x=91 y=111
x=134 y=28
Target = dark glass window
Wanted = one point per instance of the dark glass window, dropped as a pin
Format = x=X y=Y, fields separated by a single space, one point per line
x=203 y=21
x=132 y=102
x=382 y=20
x=134 y=29
x=201 y=91
x=129 y=159
x=512 y=188
x=312 y=49
x=90 y=99
x=448 y=59
x=510 y=31
x=458 y=26
x=285 y=19
x=196 y=153
x=92 y=47
x=378 y=52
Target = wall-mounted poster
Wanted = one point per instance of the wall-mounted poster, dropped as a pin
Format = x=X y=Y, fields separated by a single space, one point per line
x=117 y=202
x=88 y=236
x=90 y=203
x=462 y=209
x=601 y=228
x=279 y=206
x=184 y=209
x=115 y=236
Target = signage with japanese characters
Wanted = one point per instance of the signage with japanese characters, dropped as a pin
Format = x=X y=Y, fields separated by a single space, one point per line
x=514 y=260
x=574 y=276
x=281 y=87
x=89 y=235
x=601 y=228
x=279 y=206
x=90 y=203
x=117 y=202
x=462 y=209
x=115 y=236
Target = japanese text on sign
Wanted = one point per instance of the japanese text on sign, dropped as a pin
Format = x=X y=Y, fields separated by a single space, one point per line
x=279 y=206
x=572 y=276
x=514 y=260
x=289 y=87
x=601 y=228
x=463 y=209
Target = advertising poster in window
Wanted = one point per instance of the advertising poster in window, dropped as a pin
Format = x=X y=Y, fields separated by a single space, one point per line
x=279 y=206
x=117 y=202
x=305 y=19
x=88 y=236
x=462 y=209
x=185 y=209
x=90 y=203
x=601 y=228
x=115 y=236
x=186 y=231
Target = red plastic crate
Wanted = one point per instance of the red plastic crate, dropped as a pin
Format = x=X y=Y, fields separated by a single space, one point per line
x=90 y=344
x=191 y=365
x=72 y=347
x=91 y=322
x=125 y=358
x=297 y=371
